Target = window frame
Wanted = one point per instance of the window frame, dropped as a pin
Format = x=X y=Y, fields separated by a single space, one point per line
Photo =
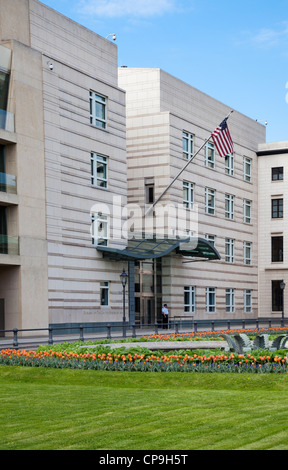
x=188 y=188
x=247 y=253
x=188 y=138
x=95 y=219
x=230 y=297
x=211 y=295
x=229 y=206
x=96 y=120
x=105 y=288
x=190 y=291
x=229 y=250
x=96 y=181
x=247 y=210
x=247 y=163
x=210 y=208
x=247 y=300
x=210 y=158
x=276 y=210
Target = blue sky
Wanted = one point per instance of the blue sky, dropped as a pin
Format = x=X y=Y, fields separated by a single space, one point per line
x=236 y=52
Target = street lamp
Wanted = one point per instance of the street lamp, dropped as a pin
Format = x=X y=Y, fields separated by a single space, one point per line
x=282 y=287
x=124 y=278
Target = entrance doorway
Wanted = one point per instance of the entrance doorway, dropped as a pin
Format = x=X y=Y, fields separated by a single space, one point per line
x=2 y=318
x=148 y=291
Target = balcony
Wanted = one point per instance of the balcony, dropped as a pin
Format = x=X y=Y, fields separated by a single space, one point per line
x=9 y=245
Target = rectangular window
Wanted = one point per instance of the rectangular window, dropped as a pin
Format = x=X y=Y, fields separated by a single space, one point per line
x=277 y=208
x=188 y=145
x=229 y=250
x=98 y=110
x=276 y=249
x=277 y=296
x=99 y=170
x=100 y=229
x=247 y=250
x=277 y=173
x=188 y=194
x=247 y=169
x=230 y=301
x=247 y=211
x=247 y=301
x=229 y=206
x=210 y=238
x=210 y=299
x=189 y=299
x=104 y=293
x=210 y=201
x=210 y=155
x=229 y=164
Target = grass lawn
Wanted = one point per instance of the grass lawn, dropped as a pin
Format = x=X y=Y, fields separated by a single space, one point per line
x=65 y=409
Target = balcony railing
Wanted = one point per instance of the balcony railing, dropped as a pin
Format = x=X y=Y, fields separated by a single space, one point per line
x=8 y=183
x=9 y=245
x=7 y=121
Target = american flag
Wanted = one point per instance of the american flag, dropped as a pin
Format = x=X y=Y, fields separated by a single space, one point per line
x=222 y=139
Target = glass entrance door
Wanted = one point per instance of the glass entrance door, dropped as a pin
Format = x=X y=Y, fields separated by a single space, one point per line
x=148 y=291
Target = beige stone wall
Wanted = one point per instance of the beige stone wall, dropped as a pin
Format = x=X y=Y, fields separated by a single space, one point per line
x=159 y=108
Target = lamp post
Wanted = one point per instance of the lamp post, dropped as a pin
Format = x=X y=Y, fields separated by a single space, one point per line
x=124 y=278
x=282 y=287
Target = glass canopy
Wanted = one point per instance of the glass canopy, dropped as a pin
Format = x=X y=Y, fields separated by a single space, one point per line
x=150 y=248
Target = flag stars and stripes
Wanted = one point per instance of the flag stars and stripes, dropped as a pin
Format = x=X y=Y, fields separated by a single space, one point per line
x=222 y=139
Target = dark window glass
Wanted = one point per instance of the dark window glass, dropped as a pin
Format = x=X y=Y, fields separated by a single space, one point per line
x=277 y=208
x=277 y=296
x=277 y=249
x=277 y=173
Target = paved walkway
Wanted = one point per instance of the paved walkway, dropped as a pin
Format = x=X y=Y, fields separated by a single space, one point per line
x=169 y=345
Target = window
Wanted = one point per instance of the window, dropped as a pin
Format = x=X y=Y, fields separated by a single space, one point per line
x=99 y=170
x=229 y=206
x=210 y=201
x=104 y=293
x=210 y=299
x=277 y=173
x=247 y=250
x=277 y=208
x=188 y=145
x=247 y=169
x=229 y=164
x=277 y=296
x=188 y=194
x=189 y=299
x=210 y=155
x=247 y=211
x=276 y=249
x=210 y=238
x=98 y=110
x=100 y=229
x=230 y=301
x=229 y=250
x=247 y=301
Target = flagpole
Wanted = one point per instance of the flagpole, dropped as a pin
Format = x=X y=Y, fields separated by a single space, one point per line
x=181 y=171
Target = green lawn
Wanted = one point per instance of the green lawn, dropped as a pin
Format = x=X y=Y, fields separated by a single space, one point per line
x=71 y=409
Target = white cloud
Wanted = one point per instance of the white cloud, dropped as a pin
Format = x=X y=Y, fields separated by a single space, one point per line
x=271 y=37
x=132 y=8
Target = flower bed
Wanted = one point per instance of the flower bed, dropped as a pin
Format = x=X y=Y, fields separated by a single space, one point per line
x=258 y=362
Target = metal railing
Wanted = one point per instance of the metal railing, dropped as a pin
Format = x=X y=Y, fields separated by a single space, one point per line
x=51 y=335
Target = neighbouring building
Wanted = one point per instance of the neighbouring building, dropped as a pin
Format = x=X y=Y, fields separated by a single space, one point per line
x=273 y=227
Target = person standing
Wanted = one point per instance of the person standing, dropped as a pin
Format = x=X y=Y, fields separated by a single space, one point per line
x=165 y=313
